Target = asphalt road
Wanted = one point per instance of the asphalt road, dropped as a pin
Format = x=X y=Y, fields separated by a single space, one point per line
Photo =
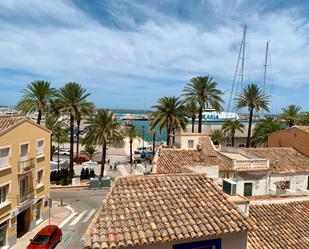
x=85 y=203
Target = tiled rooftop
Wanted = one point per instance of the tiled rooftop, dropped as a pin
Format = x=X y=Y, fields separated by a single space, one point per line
x=8 y=122
x=303 y=128
x=172 y=160
x=142 y=210
x=283 y=159
x=280 y=226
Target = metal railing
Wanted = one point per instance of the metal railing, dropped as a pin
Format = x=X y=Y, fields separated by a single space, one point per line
x=26 y=165
x=28 y=196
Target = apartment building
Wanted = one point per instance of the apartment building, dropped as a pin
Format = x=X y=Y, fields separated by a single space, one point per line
x=24 y=177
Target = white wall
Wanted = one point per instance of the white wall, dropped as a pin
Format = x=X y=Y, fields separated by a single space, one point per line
x=297 y=181
x=259 y=184
x=211 y=171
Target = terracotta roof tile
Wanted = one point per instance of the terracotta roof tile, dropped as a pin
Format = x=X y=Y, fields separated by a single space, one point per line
x=280 y=226
x=8 y=122
x=283 y=159
x=142 y=210
x=172 y=160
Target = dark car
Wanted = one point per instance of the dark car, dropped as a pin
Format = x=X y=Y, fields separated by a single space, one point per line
x=47 y=238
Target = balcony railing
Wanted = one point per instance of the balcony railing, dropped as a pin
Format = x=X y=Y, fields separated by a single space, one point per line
x=25 y=166
x=24 y=198
x=253 y=164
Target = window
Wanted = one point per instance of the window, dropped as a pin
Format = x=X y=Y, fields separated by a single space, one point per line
x=39 y=176
x=38 y=206
x=3 y=193
x=3 y=234
x=40 y=147
x=190 y=144
x=206 y=244
x=23 y=152
x=4 y=157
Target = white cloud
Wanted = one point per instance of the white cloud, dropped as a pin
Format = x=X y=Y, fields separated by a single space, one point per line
x=61 y=42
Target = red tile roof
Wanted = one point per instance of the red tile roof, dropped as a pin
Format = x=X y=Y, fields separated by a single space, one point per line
x=7 y=122
x=283 y=159
x=142 y=210
x=280 y=226
x=172 y=160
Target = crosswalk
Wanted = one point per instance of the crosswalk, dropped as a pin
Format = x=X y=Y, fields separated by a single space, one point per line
x=76 y=217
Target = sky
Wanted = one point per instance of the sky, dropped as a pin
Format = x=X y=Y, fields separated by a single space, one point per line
x=129 y=53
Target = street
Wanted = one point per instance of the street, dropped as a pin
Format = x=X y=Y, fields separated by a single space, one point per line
x=84 y=204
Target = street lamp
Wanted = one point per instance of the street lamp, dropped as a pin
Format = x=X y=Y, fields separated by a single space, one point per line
x=143 y=139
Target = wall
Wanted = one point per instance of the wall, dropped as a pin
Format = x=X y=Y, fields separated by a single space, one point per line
x=229 y=241
x=299 y=180
x=26 y=132
x=211 y=171
x=181 y=140
x=292 y=137
x=259 y=183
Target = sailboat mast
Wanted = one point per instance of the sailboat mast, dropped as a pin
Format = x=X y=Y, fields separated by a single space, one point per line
x=243 y=57
x=265 y=67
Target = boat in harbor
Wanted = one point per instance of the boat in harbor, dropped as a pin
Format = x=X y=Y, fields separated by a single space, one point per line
x=211 y=115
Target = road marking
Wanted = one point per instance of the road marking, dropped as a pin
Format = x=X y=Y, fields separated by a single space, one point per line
x=67 y=220
x=89 y=215
x=77 y=218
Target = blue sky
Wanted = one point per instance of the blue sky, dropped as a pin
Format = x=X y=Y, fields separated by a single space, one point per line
x=128 y=53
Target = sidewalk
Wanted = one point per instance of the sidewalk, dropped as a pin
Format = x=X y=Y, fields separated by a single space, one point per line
x=57 y=215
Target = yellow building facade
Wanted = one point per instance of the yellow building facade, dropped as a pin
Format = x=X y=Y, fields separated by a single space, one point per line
x=24 y=177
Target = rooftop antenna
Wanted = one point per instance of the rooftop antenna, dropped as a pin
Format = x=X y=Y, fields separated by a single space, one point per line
x=241 y=58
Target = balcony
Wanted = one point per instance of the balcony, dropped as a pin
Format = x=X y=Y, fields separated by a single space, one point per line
x=25 y=166
x=26 y=197
x=250 y=164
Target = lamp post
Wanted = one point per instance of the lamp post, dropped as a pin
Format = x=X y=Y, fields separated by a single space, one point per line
x=143 y=140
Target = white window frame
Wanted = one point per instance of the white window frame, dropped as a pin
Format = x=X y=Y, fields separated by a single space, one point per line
x=28 y=152
x=189 y=143
x=3 y=167
x=39 y=184
x=38 y=155
x=9 y=184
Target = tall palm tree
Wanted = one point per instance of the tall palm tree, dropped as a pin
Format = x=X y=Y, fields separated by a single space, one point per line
x=169 y=113
x=263 y=128
x=291 y=114
x=35 y=98
x=231 y=127
x=83 y=111
x=217 y=136
x=255 y=100
x=54 y=125
x=71 y=98
x=203 y=90
x=103 y=129
x=191 y=110
x=131 y=133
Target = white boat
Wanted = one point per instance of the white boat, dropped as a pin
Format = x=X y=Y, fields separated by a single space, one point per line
x=213 y=116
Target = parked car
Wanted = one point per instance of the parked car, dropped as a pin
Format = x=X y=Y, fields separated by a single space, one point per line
x=47 y=238
x=81 y=159
x=140 y=150
x=63 y=152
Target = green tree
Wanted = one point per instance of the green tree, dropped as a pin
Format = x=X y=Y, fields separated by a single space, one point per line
x=191 y=110
x=263 y=128
x=90 y=151
x=36 y=97
x=55 y=126
x=104 y=128
x=255 y=100
x=71 y=98
x=304 y=118
x=217 y=136
x=291 y=114
x=203 y=90
x=169 y=113
x=231 y=127
x=131 y=133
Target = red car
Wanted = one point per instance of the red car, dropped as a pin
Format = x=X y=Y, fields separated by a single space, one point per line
x=47 y=238
x=81 y=159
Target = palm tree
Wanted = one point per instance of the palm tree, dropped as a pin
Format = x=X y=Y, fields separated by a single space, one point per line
x=35 y=98
x=263 y=128
x=291 y=114
x=55 y=126
x=103 y=129
x=217 y=136
x=83 y=110
x=231 y=127
x=90 y=151
x=255 y=100
x=169 y=113
x=71 y=98
x=131 y=133
x=191 y=110
x=304 y=118
x=203 y=90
